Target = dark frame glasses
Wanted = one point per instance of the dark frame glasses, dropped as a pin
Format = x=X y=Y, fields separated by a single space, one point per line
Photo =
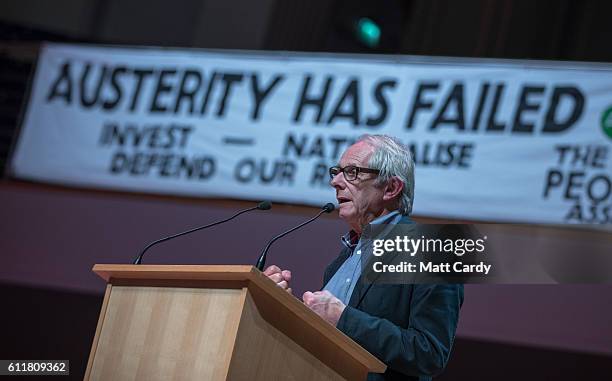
x=350 y=171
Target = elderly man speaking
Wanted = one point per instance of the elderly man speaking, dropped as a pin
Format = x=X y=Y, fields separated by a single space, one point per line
x=410 y=327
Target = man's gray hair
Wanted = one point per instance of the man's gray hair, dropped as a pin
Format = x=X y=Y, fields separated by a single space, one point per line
x=392 y=158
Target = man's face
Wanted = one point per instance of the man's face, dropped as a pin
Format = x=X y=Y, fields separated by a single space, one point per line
x=359 y=200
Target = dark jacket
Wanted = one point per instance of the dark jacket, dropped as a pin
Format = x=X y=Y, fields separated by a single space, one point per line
x=410 y=327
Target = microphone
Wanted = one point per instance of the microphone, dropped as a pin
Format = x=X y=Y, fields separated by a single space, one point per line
x=264 y=205
x=261 y=262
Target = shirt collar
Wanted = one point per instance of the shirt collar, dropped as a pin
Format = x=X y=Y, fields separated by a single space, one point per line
x=351 y=238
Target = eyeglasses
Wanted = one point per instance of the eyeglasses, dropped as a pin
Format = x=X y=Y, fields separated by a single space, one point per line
x=350 y=171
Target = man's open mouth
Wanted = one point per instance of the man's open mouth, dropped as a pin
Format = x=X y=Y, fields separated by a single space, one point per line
x=342 y=200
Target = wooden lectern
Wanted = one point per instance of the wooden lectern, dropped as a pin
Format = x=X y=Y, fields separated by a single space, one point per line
x=214 y=323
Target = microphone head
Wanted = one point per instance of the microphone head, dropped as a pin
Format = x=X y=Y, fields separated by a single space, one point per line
x=329 y=207
x=264 y=205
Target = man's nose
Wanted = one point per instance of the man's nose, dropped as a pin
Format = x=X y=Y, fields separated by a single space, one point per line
x=337 y=181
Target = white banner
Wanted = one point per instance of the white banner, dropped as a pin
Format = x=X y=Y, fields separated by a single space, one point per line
x=492 y=140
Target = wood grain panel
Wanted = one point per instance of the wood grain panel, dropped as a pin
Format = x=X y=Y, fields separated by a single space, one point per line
x=155 y=333
x=94 y=345
x=282 y=358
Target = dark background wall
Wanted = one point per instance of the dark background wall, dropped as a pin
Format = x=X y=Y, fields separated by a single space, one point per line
x=51 y=236
x=544 y=29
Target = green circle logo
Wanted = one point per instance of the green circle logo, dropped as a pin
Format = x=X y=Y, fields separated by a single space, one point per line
x=606 y=122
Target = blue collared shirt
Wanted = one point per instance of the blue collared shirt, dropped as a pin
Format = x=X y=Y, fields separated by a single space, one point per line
x=342 y=284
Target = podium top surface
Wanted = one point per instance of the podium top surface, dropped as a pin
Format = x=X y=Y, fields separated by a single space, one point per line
x=176 y=272
x=239 y=276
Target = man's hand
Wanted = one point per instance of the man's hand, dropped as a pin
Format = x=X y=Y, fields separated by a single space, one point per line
x=325 y=305
x=280 y=277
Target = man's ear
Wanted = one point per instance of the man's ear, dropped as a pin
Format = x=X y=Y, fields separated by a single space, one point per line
x=393 y=189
